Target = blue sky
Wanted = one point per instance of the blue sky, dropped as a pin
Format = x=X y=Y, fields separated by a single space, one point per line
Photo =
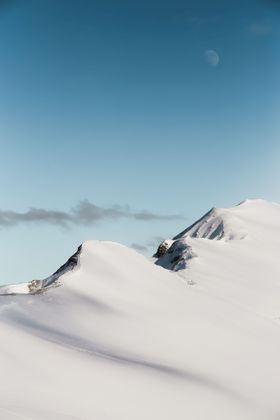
x=116 y=103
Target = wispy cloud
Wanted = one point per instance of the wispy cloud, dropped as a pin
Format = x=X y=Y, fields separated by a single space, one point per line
x=202 y=21
x=139 y=247
x=260 y=28
x=197 y=21
x=11 y=218
x=84 y=213
x=153 y=243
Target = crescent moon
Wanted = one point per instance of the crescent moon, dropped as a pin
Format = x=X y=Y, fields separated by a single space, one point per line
x=212 y=57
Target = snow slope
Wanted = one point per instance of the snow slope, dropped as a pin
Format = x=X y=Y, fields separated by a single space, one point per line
x=242 y=263
x=124 y=339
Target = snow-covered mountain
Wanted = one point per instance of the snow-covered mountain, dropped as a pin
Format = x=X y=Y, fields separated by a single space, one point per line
x=121 y=338
x=257 y=221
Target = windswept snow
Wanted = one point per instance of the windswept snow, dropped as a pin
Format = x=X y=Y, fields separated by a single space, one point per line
x=122 y=338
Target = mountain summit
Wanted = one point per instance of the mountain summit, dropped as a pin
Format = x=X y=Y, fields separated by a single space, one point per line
x=221 y=224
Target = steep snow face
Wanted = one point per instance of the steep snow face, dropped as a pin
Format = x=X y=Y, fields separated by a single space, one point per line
x=217 y=224
x=234 y=223
x=209 y=226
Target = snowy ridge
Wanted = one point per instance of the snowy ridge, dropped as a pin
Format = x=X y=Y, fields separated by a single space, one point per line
x=70 y=264
x=216 y=225
x=229 y=224
x=37 y=286
x=123 y=338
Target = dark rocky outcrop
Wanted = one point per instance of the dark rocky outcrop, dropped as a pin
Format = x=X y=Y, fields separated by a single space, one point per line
x=162 y=249
x=176 y=257
x=70 y=264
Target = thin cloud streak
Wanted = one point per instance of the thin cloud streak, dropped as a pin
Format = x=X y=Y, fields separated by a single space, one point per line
x=153 y=243
x=84 y=213
x=197 y=21
x=139 y=247
x=260 y=28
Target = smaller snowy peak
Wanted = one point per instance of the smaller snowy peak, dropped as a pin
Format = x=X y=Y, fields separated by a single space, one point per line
x=217 y=224
x=38 y=286
x=256 y=219
x=88 y=250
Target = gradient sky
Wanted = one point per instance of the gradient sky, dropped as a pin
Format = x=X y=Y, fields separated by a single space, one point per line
x=121 y=104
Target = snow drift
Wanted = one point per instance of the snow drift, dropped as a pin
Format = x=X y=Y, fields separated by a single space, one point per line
x=123 y=338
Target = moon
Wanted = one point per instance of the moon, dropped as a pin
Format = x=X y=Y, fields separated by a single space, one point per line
x=212 y=57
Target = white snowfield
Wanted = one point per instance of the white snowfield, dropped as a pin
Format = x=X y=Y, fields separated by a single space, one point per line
x=125 y=339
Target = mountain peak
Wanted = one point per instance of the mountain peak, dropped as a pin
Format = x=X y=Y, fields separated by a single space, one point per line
x=220 y=224
x=253 y=202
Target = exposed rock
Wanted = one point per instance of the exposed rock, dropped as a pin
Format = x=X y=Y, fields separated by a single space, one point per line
x=68 y=266
x=176 y=256
x=162 y=249
x=39 y=286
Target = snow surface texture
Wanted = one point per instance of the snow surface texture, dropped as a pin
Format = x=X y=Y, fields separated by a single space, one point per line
x=125 y=339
